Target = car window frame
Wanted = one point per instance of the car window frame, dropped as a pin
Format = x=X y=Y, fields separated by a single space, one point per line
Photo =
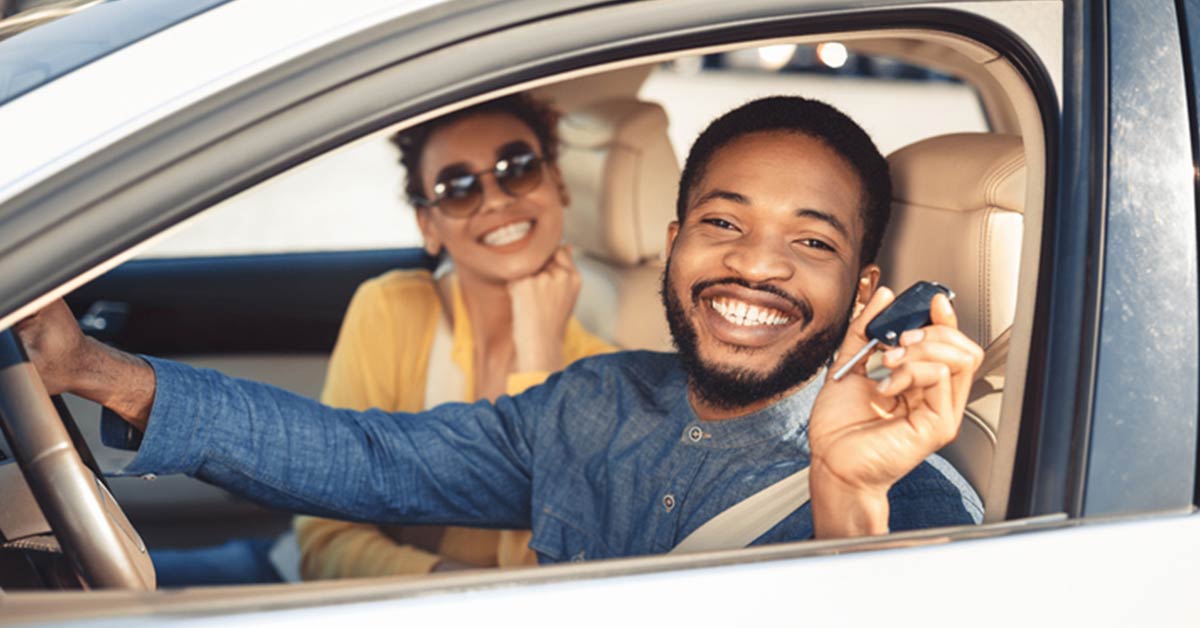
x=1189 y=24
x=1149 y=463
x=247 y=114
x=194 y=175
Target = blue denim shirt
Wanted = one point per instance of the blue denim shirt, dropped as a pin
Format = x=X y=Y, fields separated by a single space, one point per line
x=604 y=459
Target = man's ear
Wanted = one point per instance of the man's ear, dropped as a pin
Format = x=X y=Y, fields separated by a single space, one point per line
x=433 y=243
x=868 y=282
x=672 y=233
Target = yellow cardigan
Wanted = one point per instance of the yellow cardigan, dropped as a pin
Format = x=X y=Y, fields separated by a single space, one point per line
x=380 y=361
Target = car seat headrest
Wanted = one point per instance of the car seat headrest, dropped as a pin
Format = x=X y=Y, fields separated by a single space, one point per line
x=961 y=172
x=622 y=175
x=957 y=218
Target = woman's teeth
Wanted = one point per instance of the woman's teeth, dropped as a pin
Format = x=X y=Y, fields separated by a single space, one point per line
x=741 y=313
x=507 y=234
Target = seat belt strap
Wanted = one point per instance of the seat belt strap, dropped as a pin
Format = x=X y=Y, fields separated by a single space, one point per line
x=995 y=356
x=444 y=381
x=740 y=524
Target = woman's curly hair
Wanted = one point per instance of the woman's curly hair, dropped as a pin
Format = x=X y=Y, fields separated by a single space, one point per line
x=538 y=115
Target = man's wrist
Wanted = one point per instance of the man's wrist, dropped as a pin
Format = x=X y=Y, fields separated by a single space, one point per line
x=840 y=510
x=119 y=381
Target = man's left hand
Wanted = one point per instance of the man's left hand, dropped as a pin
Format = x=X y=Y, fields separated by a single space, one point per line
x=865 y=435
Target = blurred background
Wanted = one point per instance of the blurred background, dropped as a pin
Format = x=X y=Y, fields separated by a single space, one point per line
x=350 y=199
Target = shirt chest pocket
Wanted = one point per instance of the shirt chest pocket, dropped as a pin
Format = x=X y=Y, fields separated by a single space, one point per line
x=561 y=537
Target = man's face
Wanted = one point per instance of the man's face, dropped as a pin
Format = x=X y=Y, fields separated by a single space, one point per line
x=763 y=272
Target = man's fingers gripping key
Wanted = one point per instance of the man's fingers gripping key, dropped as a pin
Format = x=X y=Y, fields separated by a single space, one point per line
x=857 y=344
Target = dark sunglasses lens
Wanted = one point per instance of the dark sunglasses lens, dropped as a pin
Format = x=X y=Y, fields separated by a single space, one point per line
x=522 y=175
x=459 y=195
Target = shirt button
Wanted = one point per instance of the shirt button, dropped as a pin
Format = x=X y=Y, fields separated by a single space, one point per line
x=668 y=502
x=695 y=434
x=149 y=477
x=578 y=558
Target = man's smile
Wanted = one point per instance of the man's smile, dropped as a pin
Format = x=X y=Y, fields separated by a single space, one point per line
x=749 y=317
x=739 y=313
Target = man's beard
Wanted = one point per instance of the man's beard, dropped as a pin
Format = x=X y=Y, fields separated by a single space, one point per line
x=729 y=388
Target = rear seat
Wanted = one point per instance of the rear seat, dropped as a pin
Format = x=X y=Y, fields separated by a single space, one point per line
x=957 y=218
x=622 y=175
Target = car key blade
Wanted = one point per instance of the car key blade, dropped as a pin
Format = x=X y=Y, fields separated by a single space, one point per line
x=862 y=353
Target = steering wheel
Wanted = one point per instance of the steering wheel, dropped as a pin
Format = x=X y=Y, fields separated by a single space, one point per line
x=89 y=524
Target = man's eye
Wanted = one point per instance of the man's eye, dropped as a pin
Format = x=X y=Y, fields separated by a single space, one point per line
x=718 y=223
x=815 y=244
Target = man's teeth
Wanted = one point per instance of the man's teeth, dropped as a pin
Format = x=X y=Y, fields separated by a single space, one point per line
x=507 y=234
x=742 y=313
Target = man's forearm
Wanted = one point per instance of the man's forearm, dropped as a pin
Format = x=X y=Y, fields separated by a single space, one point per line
x=119 y=381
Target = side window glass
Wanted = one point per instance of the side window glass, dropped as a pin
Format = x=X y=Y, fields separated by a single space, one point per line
x=352 y=198
x=349 y=199
x=892 y=100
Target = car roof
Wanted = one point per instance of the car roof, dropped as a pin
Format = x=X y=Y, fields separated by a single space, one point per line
x=78 y=114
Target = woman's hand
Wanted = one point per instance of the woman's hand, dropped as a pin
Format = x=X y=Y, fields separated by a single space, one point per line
x=865 y=436
x=541 y=306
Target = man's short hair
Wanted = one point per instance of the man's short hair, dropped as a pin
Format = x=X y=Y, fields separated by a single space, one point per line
x=539 y=116
x=818 y=120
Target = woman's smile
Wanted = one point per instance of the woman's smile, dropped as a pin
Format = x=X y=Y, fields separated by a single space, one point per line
x=513 y=233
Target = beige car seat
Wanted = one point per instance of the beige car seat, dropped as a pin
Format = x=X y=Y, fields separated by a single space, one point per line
x=622 y=175
x=957 y=215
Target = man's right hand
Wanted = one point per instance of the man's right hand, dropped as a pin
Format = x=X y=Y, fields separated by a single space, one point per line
x=69 y=361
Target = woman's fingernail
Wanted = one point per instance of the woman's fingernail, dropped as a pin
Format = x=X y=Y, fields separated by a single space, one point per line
x=894 y=354
x=883 y=384
x=912 y=336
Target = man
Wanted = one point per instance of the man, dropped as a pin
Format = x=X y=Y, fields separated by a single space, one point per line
x=782 y=205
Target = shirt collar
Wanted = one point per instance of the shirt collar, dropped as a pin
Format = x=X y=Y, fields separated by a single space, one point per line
x=787 y=417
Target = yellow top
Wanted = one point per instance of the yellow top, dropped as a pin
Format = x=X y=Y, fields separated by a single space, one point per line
x=380 y=361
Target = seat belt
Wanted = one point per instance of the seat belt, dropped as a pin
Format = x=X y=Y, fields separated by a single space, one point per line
x=996 y=355
x=738 y=526
x=742 y=523
x=444 y=381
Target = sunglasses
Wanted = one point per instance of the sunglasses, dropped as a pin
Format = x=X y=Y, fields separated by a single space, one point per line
x=459 y=195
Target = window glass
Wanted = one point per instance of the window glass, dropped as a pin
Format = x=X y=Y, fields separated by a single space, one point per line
x=352 y=198
x=896 y=103
x=349 y=199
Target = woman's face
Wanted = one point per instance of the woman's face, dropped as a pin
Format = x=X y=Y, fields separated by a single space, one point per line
x=510 y=236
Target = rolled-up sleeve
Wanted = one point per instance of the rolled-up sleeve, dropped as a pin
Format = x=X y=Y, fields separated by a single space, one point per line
x=459 y=464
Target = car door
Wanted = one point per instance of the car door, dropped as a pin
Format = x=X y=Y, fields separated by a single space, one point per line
x=1092 y=306
x=171 y=307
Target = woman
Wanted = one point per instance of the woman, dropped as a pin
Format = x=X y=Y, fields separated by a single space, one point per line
x=489 y=198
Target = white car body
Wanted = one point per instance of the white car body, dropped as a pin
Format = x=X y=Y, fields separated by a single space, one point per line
x=1137 y=569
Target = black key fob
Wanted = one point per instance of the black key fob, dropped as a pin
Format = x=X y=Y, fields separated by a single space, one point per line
x=910 y=310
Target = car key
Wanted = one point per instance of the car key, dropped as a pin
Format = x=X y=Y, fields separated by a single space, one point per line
x=910 y=310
